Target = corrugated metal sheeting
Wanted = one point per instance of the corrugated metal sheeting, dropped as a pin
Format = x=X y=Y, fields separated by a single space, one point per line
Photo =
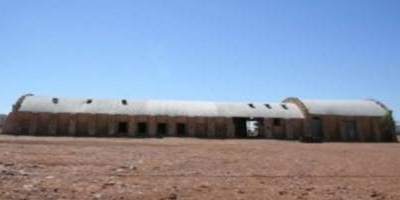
x=164 y=108
x=345 y=108
x=198 y=108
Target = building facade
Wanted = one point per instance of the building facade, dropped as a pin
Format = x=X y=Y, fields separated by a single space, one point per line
x=292 y=119
x=351 y=120
x=2 y=121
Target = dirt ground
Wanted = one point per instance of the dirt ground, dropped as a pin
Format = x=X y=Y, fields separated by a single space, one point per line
x=173 y=168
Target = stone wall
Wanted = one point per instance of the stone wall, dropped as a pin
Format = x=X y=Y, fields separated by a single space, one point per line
x=2 y=120
x=334 y=128
x=100 y=125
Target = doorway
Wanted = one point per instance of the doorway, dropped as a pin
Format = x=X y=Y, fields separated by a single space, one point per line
x=351 y=130
x=248 y=127
x=123 y=129
x=161 y=129
x=142 y=129
x=316 y=129
x=181 y=130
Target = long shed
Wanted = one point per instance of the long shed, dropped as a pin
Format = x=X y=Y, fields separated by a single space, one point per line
x=334 y=120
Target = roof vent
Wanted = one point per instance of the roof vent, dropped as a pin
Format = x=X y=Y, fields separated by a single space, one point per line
x=268 y=106
x=55 y=100
x=251 y=105
x=124 y=102
x=284 y=106
x=89 y=101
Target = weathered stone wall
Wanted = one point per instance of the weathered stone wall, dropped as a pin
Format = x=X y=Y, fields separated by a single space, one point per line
x=200 y=127
x=334 y=127
x=191 y=126
x=267 y=128
x=2 y=121
x=294 y=128
x=279 y=131
x=9 y=124
x=52 y=124
x=102 y=125
x=63 y=124
x=82 y=126
x=43 y=124
x=211 y=127
x=107 y=125
x=220 y=127
x=132 y=126
x=152 y=126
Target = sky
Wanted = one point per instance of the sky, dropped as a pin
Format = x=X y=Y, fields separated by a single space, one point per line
x=213 y=50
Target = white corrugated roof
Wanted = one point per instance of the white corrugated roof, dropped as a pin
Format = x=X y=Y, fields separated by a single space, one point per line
x=344 y=107
x=152 y=107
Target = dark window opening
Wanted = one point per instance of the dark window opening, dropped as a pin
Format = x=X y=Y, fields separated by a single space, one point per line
x=142 y=128
x=55 y=100
x=277 y=122
x=284 y=106
x=89 y=101
x=268 y=106
x=181 y=129
x=161 y=129
x=123 y=127
x=251 y=105
x=124 y=102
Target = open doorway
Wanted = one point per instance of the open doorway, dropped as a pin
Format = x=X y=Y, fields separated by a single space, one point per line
x=252 y=128
x=247 y=127
x=316 y=129
x=351 y=130
x=161 y=129
x=122 y=128
x=142 y=129
x=181 y=130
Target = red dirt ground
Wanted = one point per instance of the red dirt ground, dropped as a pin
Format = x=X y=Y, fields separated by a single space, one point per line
x=172 y=168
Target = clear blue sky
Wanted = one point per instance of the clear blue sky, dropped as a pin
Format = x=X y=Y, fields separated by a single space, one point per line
x=222 y=50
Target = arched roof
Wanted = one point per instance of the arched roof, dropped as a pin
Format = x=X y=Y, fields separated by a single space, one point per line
x=345 y=107
x=43 y=104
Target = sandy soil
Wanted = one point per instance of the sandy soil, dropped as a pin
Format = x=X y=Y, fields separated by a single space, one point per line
x=172 y=168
